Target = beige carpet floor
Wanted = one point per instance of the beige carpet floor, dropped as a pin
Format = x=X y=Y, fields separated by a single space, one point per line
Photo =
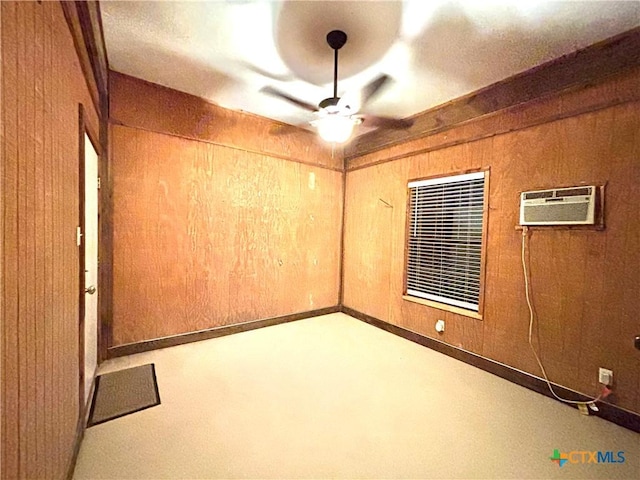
x=332 y=397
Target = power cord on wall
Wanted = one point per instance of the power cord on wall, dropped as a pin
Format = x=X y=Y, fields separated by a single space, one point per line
x=590 y=403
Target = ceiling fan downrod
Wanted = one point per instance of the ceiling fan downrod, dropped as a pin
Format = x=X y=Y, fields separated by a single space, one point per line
x=336 y=40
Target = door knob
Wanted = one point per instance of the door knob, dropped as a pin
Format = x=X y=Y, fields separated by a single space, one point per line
x=90 y=290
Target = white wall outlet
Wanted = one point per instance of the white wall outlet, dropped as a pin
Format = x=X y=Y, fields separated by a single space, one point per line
x=605 y=376
x=440 y=326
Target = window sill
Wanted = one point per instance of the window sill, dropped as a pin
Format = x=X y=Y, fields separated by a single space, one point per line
x=443 y=306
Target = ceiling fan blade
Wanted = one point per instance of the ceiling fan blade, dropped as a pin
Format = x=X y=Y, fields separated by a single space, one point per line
x=386 y=122
x=356 y=100
x=267 y=74
x=300 y=103
x=373 y=88
x=286 y=129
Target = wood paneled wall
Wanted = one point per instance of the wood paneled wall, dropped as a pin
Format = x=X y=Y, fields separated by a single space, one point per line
x=584 y=282
x=207 y=235
x=2 y=387
x=42 y=86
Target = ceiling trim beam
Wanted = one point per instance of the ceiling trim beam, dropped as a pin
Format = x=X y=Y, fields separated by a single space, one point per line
x=85 y=24
x=576 y=70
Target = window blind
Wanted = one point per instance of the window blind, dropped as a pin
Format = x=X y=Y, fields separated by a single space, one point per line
x=445 y=239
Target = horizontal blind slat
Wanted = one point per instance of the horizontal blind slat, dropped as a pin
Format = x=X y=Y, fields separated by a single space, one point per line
x=454 y=272
x=458 y=292
x=445 y=281
x=449 y=301
x=452 y=294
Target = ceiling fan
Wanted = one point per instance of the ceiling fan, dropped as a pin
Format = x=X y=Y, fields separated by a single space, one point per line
x=335 y=117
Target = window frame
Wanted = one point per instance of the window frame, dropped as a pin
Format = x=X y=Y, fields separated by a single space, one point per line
x=483 y=247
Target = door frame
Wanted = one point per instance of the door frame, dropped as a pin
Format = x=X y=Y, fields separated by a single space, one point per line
x=84 y=127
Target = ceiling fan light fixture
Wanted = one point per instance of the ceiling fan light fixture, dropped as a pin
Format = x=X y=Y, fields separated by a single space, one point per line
x=335 y=116
x=335 y=128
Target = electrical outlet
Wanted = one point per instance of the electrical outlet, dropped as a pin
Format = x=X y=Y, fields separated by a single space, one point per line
x=605 y=376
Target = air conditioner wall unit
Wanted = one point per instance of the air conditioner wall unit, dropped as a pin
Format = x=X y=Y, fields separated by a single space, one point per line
x=558 y=206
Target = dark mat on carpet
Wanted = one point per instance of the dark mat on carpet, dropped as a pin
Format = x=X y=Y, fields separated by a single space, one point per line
x=123 y=392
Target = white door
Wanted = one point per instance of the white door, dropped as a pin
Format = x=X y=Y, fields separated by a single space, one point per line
x=90 y=264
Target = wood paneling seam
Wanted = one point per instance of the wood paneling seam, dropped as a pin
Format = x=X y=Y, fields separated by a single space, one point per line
x=225 y=145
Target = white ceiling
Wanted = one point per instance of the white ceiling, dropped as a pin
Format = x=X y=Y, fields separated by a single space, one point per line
x=435 y=50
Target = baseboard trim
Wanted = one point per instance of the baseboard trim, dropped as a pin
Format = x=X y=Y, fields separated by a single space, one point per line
x=172 y=341
x=80 y=429
x=76 y=448
x=607 y=411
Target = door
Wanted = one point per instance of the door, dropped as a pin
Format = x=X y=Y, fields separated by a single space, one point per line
x=90 y=265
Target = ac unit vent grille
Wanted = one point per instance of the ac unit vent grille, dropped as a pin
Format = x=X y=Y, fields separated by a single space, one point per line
x=534 y=195
x=566 y=212
x=573 y=192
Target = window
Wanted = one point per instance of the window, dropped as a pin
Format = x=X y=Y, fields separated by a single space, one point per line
x=444 y=255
